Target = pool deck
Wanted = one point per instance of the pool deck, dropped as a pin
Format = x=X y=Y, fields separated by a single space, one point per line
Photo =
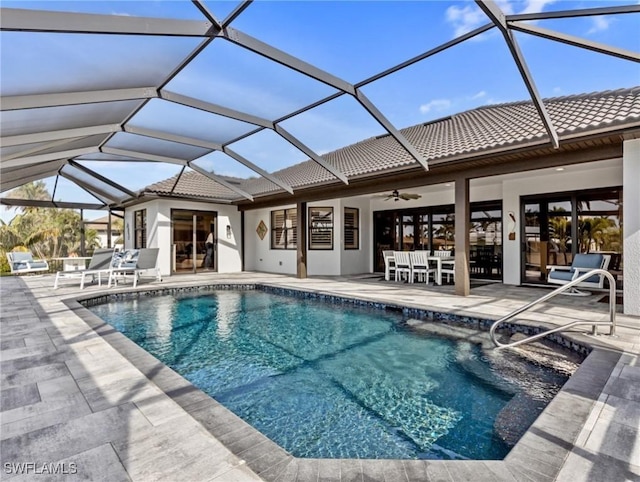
x=79 y=398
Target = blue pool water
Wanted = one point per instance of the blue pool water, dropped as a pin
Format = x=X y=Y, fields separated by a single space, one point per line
x=325 y=380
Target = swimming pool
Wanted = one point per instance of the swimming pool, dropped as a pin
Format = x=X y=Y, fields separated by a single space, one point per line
x=333 y=381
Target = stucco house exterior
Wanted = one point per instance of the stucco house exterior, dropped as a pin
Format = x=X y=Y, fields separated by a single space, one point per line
x=492 y=173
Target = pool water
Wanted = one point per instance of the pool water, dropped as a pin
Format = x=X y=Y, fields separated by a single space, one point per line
x=326 y=380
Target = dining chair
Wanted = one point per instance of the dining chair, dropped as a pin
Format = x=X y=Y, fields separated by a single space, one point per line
x=403 y=265
x=420 y=267
x=441 y=252
x=389 y=264
x=449 y=268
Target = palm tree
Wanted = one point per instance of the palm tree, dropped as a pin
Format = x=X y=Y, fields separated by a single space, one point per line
x=560 y=231
x=596 y=230
x=33 y=191
x=9 y=237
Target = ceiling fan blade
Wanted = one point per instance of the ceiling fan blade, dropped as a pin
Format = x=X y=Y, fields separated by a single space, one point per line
x=408 y=196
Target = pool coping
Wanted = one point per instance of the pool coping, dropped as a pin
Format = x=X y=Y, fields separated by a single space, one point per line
x=538 y=455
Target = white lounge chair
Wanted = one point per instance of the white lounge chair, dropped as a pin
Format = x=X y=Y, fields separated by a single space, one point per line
x=22 y=262
x=146 y=261
x=582 y=263
x=100 y=263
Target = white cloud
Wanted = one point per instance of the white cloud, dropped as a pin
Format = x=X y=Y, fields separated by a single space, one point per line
x=464 y=19
x=535 y=6
x=435 y=105
x=599 y=24
x=479 y=95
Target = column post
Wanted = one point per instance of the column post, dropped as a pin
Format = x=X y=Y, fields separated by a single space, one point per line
x=631 y=227
x=301 y=227
x=83 y=248
x=462 y=214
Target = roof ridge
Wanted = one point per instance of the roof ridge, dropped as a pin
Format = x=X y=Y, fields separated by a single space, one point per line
x=562 y=98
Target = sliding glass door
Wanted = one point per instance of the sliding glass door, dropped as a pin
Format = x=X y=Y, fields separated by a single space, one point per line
x=433 y=228
x=194 y=241
x=559 y=226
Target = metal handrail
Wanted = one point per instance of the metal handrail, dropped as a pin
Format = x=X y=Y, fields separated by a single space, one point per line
x=612 y=311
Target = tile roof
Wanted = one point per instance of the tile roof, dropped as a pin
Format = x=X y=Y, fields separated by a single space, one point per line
x=469 y=133
x=194 y=184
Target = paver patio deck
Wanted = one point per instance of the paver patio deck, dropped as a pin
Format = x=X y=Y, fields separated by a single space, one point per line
x=70 y=397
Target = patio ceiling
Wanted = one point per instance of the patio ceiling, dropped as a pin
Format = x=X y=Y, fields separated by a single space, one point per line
x=119 y=88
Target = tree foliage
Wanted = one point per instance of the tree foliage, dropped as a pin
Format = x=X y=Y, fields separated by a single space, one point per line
x=33 y=191
x=47 y=232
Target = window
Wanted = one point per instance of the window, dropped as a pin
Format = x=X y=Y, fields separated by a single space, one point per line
x=351 y=228
x=140 y=229
x=284 y=229
x=320 y=228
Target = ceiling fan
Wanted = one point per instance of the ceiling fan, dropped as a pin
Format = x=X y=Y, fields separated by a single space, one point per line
x=396 y=196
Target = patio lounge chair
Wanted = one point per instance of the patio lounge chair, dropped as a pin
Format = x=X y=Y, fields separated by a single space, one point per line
x=22 y=262
x=99 y=264
x=146 y=261
x=582 y=263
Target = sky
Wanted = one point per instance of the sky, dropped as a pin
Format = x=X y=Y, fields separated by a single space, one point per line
x=350 y=40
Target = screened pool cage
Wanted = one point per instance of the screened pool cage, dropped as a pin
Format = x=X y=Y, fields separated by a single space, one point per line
x=106 y=99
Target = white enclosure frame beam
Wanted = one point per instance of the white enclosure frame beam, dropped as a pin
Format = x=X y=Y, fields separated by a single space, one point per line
x=37 y=101
x=241 y=7
x=36 y=149
x=143 y=156
x=46 y=204
x=283 y=58
x=25 y=161
x=312 y=155
x=215 y=109
x=495 y=14
x=181 y=162
x=276 y=55
x=59 y=135
x=575 y=41
x=103 y=179
x=384 y=122
x=274 y=179
x=166 y=136
x=208 y=145
x=254 y=120
x=585 y=12
x=22 y=20
x=93 y=190
x=220 y=180
x=18 y=176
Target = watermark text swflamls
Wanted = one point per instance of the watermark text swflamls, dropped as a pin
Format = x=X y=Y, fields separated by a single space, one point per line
x=37 y=468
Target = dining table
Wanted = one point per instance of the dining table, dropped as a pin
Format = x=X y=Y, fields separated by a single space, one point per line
x=73 y=263
x=438 y=260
